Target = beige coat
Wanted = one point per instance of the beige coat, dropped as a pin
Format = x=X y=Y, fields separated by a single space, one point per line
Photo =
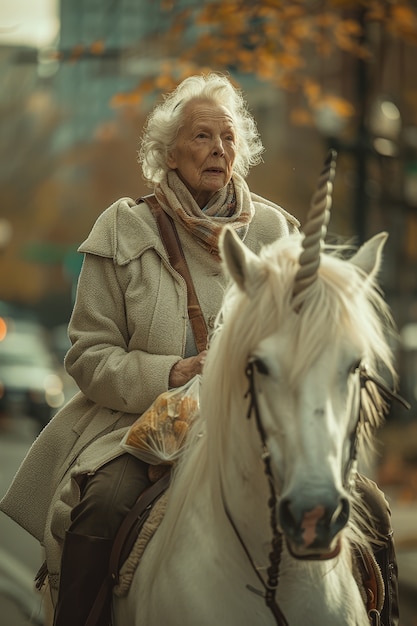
x=128 y=328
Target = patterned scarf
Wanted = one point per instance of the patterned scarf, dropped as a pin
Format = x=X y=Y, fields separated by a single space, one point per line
x=231 y=205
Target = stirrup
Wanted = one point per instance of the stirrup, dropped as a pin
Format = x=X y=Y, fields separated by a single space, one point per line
x=374 y=617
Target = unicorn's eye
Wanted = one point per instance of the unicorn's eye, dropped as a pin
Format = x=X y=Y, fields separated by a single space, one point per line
x=261 y=366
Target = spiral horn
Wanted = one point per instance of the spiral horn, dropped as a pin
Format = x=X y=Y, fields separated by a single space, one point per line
x=315 y=231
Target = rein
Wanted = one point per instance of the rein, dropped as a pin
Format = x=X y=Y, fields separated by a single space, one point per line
x=271 y=584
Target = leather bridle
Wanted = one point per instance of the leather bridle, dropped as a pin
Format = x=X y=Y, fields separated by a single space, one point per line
x=270 y=585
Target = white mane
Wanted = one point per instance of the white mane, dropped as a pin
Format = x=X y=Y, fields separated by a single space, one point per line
x=342 y=303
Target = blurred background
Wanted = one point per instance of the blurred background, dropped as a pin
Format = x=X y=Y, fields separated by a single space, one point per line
x=78 y=78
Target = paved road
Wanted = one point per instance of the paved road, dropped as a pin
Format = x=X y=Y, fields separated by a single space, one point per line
x=20 y=554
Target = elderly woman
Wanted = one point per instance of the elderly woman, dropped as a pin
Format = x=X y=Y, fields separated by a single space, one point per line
x=130 y=332
x=131 y=336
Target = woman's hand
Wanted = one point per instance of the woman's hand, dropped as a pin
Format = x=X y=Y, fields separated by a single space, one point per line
x=186 y=369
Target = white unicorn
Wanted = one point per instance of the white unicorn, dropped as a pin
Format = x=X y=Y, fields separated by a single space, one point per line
x=263 y=517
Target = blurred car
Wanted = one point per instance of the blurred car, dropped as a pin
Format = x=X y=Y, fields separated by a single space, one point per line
x=30 y=379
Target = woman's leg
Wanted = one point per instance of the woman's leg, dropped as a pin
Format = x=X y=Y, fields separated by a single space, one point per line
x=106 y=498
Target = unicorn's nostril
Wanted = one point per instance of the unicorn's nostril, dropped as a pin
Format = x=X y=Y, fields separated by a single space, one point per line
x=341 y=515
x=286 y=517
x=316 y=524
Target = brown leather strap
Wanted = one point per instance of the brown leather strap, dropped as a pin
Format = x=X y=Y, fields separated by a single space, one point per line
x=134 y=520
x=171 y=240
x=372 y=586
x=123 y=543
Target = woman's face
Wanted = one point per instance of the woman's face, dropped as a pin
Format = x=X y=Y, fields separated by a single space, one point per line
x=205 y=149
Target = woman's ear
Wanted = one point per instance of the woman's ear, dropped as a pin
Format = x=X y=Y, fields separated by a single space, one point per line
x=171 y=160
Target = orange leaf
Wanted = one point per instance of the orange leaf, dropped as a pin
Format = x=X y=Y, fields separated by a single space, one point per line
x=404 y=20
x=301 y=117
x=341 y=106
x=312 y=90
x=97 y=47
x=76 y=52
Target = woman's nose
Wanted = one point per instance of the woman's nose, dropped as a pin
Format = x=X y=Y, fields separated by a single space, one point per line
x=218 y=148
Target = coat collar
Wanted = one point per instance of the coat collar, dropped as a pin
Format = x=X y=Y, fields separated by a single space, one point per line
x=123 y=232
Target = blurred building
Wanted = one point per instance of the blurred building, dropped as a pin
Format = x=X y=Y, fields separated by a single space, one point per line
x=97 y=59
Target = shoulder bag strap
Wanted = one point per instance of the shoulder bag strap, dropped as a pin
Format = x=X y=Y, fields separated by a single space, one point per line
x=171 y=240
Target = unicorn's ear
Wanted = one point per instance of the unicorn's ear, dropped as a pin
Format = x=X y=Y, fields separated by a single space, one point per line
x=368 y=257
x=243 y=265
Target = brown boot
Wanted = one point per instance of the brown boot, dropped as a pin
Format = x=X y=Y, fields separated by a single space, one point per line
x=383 y=547
x=84 y=566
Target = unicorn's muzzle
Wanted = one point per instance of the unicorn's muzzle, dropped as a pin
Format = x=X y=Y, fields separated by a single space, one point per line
x=311 y=531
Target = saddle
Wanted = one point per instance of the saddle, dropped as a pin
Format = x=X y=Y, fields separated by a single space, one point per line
x=371 y=584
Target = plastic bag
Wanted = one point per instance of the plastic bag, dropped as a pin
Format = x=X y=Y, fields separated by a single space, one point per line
x=158 y=435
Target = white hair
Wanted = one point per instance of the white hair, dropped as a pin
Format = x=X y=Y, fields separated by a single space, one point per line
x=163 y=123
